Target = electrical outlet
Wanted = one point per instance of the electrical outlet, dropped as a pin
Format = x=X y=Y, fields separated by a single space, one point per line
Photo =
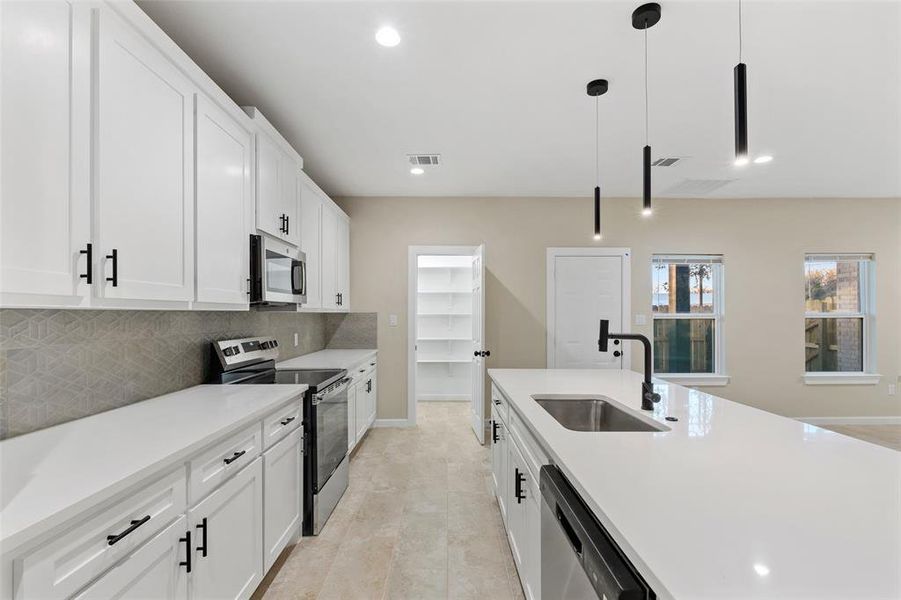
x=891 y=389
x=296 y=340
x=392 y=320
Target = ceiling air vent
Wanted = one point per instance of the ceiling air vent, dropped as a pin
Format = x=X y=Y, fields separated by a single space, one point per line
x=424 y=160
x=666 y=162
x=696 y=187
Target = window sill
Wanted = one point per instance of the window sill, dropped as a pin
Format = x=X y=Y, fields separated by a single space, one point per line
x=842 y=378
x=695 y=379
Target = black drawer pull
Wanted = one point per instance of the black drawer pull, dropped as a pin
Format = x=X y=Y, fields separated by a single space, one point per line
x=288 y=420
x=115 y=258
x=112 y=539
x=494 y=432
x=89 y=267
x=517 y=486
x=187 y=562
x=202 y=549
x=234 y=457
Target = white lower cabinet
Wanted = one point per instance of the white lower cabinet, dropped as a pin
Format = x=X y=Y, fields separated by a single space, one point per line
x=227 y=527
x=158 y=569
x=351 y=416
x=515 y=467
x=362 y=406
x=361 y=401
x=282 y=486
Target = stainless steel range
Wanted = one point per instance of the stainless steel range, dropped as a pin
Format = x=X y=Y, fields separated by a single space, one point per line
x=326 y=470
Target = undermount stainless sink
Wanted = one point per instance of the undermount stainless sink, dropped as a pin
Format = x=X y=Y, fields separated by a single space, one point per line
x=594 y=413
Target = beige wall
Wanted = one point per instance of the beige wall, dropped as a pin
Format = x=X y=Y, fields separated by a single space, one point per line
x=763 y=240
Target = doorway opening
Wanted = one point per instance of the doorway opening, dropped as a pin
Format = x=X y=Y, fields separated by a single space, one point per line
x=446 y=330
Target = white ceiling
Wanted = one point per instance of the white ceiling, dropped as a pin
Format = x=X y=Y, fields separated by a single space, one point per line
x=498 y=89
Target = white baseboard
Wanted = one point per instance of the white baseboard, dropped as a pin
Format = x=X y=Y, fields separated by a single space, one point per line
x=392 y=423
x=851 y=420
x=442 y=398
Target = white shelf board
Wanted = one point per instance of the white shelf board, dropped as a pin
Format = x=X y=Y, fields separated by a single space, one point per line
x=444 y=291
x=440 y=360
x=444 y=314
x=444 y=339
x=445 y=267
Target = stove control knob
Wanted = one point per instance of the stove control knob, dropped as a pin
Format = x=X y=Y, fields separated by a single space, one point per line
x=275 y=343
x=235 y=350
x=228 y=351
x=264 y=345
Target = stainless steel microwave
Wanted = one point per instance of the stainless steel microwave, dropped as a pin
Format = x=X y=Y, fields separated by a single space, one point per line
x=278 y=272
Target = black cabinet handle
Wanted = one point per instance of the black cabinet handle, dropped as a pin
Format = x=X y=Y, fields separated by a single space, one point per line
x=517 y=486
x=115 y=258
x=89 y=252
x=288 y=420
x=187 y=562
x=202 y=549
x=494 y=437
x=112 y=539
x=287 y=224
x=234 y=457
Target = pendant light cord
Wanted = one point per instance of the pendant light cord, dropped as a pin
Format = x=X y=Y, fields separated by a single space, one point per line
x=597 y=158
x=646 y=126
x=739 y=31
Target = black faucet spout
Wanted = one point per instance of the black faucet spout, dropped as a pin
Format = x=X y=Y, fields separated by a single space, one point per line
x=648 y=396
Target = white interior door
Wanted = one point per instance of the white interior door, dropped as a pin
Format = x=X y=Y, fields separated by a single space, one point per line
x=477 y=404
x=583 y=290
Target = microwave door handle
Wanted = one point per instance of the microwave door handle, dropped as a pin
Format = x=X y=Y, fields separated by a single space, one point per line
x=303 y=278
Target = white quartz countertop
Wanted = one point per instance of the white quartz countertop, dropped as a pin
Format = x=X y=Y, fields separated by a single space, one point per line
x=732 y=502
x=49 y=476
x=327 y=359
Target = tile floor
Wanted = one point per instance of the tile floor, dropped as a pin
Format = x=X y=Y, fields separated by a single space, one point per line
x=417 y=521
x=884 y=435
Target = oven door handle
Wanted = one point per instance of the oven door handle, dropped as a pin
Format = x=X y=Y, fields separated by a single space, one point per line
x=340 y=387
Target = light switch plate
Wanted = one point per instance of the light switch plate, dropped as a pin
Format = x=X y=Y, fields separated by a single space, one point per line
x=641 y=319
x=296 y=340
x=392 y=320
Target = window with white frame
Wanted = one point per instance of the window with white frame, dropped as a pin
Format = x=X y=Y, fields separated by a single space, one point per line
x=687 y=307
x=838 y=313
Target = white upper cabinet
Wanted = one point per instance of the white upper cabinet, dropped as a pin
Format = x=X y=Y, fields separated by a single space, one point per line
x=278 y=201
x=343 y=266
x=224 y=206
x=311 y=239
x=143 y=169
x=329 y=263
x=45 y=100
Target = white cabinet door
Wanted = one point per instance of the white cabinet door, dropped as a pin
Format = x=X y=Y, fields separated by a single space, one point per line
x=362 y=406
x=227 y=528
x=516 y=473
x=44 y=97
x=144 y=168
x=499 y=462
x=224 y=206
x=342 y=269
x=310 y=241
x=373 y=398
x=277 y=200
x=157 y=570
x=353 y=396
x=329 y=257
x=282 y=494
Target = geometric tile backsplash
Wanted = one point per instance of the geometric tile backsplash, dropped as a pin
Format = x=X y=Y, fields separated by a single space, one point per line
x=60 y=365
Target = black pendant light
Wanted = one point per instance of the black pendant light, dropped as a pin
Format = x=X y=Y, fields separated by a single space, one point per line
x=740 y=77
x=644 y=17
x=597 y=88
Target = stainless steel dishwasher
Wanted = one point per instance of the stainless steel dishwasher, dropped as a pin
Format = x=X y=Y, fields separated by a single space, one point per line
x=579 y=561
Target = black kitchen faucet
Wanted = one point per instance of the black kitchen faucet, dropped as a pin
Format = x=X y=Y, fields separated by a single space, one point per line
x=648 y=396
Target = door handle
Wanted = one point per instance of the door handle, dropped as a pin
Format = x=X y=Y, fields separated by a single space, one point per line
x=617 y=353
x=89 y=251
x=234 y=457
x=202 y=549
x=112 y=539
x=517 y=486
x=115 y=258
x=187 y=562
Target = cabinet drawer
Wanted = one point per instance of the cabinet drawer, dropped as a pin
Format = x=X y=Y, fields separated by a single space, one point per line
x=499 y=404
x=219 y=463
x=281 y=423
x=69 y=562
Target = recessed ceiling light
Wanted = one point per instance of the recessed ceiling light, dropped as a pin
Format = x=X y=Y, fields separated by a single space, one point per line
x=417 y=170
x=387 y=36
x=761 y=570
x=763 y=158
x=741 y=161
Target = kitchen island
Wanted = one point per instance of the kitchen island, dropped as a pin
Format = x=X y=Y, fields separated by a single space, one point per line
x=728 y=501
